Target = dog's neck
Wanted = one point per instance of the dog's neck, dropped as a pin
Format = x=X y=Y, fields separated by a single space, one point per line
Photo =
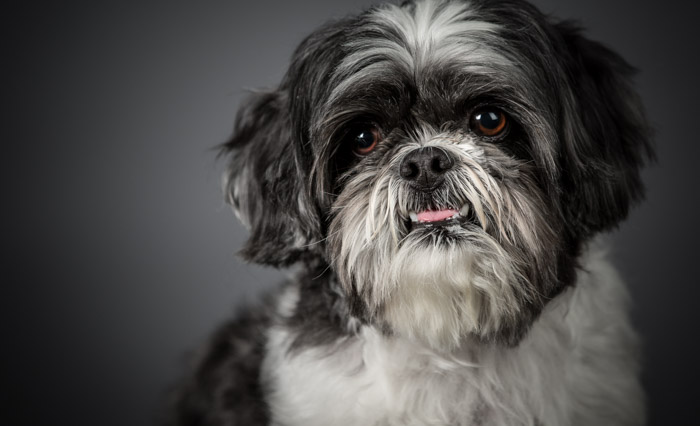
x=356 y=373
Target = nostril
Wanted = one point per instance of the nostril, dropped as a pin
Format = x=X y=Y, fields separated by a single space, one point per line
x=415 y=170
x=441 y=162
x=409 y=170
x=436 y=165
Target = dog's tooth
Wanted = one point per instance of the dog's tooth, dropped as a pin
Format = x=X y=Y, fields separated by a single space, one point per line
x=413 y=216
x=464 y=211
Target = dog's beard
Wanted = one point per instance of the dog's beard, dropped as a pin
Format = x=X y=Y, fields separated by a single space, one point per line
x=472 y=275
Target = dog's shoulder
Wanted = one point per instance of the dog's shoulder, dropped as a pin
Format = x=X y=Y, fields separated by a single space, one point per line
x=224 y=385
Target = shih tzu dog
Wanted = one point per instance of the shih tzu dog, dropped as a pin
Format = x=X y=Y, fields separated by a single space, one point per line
x=438 y=172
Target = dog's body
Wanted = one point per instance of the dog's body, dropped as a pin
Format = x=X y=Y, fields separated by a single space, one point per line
x=577 y=366
x=439 y=171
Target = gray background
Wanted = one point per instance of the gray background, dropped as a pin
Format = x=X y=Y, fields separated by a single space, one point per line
x=118 y=253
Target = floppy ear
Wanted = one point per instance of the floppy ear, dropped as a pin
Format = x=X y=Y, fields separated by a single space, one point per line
x=272 y=156
x=264 y=183
x=606 y=138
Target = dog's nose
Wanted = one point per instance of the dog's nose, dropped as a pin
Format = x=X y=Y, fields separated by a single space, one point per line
x=425 y=167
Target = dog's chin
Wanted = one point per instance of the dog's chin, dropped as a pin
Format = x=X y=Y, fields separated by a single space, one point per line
x=436 y=267
x=449 y=280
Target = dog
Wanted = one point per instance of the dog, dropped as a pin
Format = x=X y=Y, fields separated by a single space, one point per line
x=439 y=173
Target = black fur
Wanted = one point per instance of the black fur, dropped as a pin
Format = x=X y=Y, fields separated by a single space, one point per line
x=225 y=386
x=605 y=151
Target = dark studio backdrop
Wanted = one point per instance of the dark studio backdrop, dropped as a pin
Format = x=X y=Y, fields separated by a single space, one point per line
x=119 y=253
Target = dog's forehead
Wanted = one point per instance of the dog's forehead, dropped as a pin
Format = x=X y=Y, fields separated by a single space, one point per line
x=430 y=38
x=437 y=53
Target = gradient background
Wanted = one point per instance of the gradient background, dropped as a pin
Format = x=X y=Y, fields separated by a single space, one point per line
x=118 y=253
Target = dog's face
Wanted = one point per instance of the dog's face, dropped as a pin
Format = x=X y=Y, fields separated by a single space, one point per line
x=448 y=160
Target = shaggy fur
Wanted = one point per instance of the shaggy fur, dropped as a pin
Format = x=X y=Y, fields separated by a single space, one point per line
x=506 y=313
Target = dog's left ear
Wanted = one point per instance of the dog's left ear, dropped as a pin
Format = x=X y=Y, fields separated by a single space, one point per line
x=263 y=182
x=606 y=137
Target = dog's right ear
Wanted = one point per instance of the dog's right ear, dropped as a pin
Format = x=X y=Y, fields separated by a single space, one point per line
x=263 y=182
x=272 y=154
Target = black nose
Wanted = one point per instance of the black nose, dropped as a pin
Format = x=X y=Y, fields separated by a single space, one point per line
x=425 y=167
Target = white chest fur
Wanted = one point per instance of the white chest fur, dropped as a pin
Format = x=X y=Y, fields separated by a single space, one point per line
x=577 y=366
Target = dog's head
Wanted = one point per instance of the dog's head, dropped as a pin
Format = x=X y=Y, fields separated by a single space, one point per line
x=448 y=159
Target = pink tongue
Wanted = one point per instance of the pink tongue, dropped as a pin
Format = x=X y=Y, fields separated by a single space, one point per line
x=434 y=216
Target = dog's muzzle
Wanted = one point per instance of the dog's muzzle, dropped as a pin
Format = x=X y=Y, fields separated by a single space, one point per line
x=425 y=170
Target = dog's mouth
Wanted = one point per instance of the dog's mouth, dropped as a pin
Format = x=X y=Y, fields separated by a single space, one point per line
x=436 y=218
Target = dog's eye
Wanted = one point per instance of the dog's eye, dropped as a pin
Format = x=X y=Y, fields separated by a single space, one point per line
x=365 y=139
x=488 y=122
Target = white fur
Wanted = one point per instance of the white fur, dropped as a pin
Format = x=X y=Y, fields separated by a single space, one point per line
x=576 y=366
x=436 y=33
x=441 y=291
x=237 y=196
